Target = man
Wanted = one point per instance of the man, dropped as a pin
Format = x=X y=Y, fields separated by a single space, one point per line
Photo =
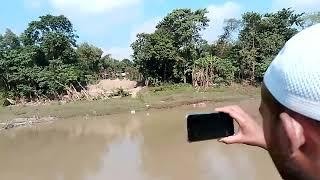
x=290 y=108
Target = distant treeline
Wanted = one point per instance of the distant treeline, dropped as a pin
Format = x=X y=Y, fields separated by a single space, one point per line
x=176 y=52
x=45 y=60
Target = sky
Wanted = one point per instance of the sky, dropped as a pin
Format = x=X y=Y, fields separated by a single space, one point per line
x=112 y=25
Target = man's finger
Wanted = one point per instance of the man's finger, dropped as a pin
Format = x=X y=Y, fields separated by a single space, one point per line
x=237 y=115
x=225 y=108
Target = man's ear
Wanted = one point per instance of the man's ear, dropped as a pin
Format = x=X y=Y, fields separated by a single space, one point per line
x=294 y=130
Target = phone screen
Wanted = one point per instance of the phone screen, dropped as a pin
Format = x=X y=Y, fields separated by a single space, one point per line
x=206 y=126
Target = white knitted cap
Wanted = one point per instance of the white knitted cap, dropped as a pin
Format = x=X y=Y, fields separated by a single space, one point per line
x=293 y=77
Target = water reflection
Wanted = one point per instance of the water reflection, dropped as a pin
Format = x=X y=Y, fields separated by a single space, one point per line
x=50 y=155
x=147 y=145
x=219 y=166
x=123 y=161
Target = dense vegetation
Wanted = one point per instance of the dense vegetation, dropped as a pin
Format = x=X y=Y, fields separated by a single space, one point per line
x=176 y=52
x=45 y=60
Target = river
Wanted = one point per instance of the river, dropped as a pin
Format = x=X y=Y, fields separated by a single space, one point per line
x=142 y=146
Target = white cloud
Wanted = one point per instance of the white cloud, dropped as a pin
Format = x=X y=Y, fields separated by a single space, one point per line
x=119 y=52
x=92 y=6
x=148 y=26
x=298 y=5
x=100 y=18
x=217 y=14
x=97 y=19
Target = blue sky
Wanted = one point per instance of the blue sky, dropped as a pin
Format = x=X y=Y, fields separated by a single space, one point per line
x=113 y=24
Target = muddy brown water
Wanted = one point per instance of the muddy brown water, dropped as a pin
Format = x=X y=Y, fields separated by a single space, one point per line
x=147 y=145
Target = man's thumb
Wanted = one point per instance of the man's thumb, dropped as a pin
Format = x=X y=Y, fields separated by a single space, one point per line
x=231 y=139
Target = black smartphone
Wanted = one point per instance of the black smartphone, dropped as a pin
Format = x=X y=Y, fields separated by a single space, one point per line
x=206 y=126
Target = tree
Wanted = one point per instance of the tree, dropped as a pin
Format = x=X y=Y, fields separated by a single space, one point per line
x=55 y=36
x=184 y=26
x=169 y=52
x=127 y=62
x=89 y=56
x=46 y=62
x=37 y=30
x=223 y=46
x=154 y=54
x=211 y=70
x=9 y=40
x=261 y=38
x=231 y=25
x=311 y=19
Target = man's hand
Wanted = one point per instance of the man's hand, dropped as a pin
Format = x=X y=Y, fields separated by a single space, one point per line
x=250 y=132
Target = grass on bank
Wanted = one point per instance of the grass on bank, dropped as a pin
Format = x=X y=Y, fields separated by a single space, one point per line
x=153 y=97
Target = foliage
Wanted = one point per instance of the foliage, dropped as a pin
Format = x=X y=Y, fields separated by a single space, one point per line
x=45 y=60
x=9 y=40
x=89 y=57
x=211 y=70
x=176 y=51
x=155 y=55
x=261 y=38
x=184 y=26
x=167 y=55
x=113 y=68
x=37 y=31
x=311 y=19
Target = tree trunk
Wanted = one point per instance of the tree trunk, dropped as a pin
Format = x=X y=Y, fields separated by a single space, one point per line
x=254 y=61
x=165 y=72
x=253 y=71
x=184 y=75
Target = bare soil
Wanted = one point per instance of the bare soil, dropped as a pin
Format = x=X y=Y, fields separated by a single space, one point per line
x=108 y=86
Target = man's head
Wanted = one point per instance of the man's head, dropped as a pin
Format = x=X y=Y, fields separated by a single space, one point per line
x=290 y=107
x=293 y=139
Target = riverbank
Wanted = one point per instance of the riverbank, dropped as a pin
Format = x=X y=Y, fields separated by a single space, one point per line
x=148 y=98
